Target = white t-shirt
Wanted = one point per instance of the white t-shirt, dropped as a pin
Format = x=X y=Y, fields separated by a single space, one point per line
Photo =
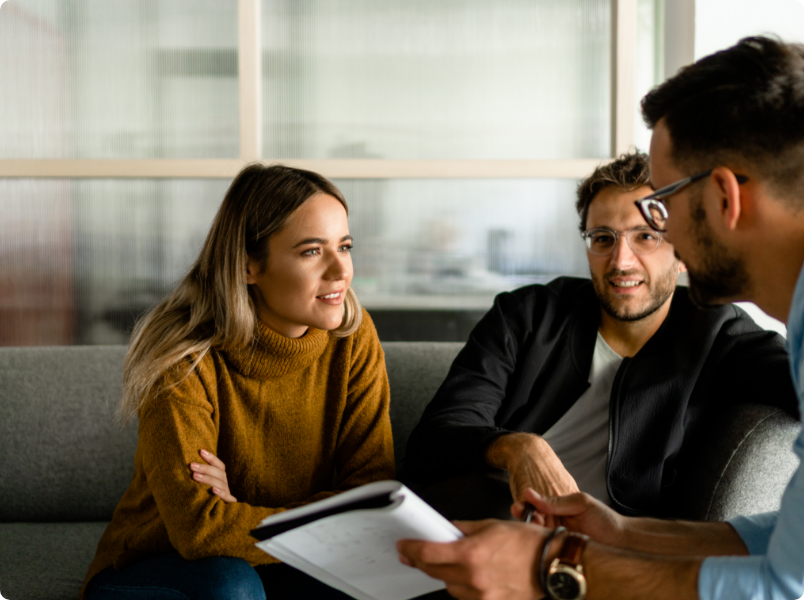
x=581 y=437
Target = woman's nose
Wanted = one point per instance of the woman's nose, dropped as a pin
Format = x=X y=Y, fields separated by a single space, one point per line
x=339 y=267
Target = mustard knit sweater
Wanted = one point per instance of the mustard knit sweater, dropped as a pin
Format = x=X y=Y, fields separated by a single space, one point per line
x=294 y=420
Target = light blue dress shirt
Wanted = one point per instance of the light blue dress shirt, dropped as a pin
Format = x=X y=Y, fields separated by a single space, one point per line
x=775 y=569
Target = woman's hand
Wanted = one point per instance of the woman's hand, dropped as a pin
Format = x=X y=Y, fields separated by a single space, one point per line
x=213 y=474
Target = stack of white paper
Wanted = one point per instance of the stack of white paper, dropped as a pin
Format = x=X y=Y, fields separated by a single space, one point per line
x=349 y=541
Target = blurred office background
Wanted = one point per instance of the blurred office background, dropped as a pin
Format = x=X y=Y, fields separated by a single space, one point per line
x=515 y=81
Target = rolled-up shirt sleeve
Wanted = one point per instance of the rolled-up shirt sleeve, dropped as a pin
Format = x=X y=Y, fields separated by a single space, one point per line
x=755 y=530
x=775 y=569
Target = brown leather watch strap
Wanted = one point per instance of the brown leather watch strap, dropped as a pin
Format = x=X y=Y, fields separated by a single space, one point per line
x=572 y=548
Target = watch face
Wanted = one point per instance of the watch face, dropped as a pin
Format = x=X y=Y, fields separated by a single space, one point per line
x=564 y=586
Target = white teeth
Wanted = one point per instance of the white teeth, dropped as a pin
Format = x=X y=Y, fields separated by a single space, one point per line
x=626 y=283
x=329 y=296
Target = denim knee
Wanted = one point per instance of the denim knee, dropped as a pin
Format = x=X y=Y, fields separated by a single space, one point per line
x=171 y=577
x=232 y=579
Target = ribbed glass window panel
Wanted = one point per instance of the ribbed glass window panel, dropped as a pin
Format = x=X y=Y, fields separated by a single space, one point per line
x=118 y=79
x=455 y=244
x=37 y=277
x=80 y=260
x=453 y=79
x=649 y=61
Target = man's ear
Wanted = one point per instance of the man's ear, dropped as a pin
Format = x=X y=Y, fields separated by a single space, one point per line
x=682 y=268
x=730 y=201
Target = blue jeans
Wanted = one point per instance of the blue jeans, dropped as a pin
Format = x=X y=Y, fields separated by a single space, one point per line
x=170 y=577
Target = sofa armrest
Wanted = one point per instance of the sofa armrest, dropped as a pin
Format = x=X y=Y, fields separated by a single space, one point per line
x=738 y=461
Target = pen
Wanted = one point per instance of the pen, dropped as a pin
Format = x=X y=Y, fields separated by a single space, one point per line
x=527 y=515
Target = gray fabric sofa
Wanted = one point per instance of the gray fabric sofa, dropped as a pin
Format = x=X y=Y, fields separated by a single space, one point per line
x=64 y=465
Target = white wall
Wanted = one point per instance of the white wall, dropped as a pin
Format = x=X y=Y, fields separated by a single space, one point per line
x=721 y=23
x=763 y=320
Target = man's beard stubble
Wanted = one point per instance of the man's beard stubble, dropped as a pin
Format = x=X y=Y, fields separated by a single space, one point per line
x=719 y=275
x=664 y=287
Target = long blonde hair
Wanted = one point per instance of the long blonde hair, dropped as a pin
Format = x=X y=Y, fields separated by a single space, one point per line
x=212 y=306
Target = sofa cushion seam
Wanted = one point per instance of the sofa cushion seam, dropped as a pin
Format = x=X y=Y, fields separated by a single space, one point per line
x=728 y=462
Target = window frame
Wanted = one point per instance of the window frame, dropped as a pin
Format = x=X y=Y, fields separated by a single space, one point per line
x=623 y=61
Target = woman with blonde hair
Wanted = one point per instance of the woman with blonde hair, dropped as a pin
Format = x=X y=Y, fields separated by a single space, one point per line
x=260 y=385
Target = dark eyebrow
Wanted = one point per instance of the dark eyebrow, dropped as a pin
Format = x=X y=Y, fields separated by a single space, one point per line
x=321 y=241
x=311 y=241
x=612 y=230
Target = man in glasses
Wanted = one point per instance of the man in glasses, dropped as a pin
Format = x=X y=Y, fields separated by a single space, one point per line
x=590 y=385
x=728 y=158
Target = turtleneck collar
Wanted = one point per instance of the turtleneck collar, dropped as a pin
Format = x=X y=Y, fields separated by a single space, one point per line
x=271 y=355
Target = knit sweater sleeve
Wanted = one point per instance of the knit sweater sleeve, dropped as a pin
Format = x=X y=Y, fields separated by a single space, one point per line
x=173 y=427
x=365 y=450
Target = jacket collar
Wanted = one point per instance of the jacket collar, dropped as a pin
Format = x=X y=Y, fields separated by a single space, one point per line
x=586 y=321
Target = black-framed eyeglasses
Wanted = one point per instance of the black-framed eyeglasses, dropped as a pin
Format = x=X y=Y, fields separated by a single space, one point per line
x=602 y=240
x=653 y=208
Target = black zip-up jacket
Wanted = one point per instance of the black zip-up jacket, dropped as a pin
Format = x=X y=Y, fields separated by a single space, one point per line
x=528 y=360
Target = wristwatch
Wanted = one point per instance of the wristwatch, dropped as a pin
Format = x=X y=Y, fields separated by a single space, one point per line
x=565 y=579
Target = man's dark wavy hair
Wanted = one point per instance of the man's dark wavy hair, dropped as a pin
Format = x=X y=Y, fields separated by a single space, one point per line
x=628 y=172
x=741 y=106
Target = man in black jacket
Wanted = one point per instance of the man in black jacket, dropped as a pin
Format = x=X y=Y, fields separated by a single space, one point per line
x=592 y=385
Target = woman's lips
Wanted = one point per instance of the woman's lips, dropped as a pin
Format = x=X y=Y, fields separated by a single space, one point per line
x=333 y=298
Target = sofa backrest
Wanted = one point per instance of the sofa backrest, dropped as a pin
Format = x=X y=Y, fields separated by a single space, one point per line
x=62 y=458
x=66 y=459
x=415 y=370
